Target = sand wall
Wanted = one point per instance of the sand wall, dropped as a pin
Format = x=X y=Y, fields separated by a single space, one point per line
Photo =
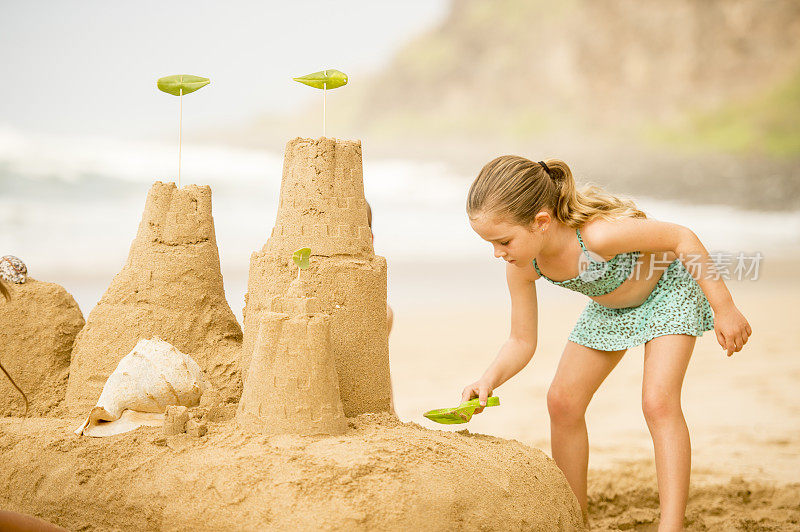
x=171 y=286
x=322 y=206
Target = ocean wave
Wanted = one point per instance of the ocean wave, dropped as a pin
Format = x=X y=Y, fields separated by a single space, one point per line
x=75 y=159
x=66 y=201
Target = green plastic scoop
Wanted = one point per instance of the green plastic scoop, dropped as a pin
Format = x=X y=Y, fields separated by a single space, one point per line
x=460 y=414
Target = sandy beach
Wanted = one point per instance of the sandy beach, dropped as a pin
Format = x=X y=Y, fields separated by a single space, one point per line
x=742 y=411
x=194 y=334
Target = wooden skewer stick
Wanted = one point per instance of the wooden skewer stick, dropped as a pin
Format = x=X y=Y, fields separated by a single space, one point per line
x=7 y=295
x=14 y=384
x=180 y=130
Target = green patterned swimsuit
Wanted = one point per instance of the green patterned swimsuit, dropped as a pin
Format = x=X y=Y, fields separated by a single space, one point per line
x=677 y=304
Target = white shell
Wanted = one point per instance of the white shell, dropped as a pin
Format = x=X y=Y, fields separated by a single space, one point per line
x=13 y=269
x=151 y=377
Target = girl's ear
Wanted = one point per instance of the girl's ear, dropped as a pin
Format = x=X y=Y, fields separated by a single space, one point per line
x=541 y=221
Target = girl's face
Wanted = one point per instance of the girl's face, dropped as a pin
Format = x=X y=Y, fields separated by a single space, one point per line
x=515 y=244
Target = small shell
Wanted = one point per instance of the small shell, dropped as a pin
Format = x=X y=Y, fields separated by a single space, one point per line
x=13 y=269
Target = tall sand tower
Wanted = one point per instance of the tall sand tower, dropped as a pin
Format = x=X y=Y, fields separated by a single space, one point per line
x=291 y=384
x=171 y=286
x=322 y=206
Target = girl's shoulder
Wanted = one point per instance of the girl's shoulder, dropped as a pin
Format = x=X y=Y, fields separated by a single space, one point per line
x=601 y=235
x=629 y=234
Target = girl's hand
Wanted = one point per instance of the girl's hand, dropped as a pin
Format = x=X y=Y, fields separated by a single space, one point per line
x=732 y=330
x=480 y=389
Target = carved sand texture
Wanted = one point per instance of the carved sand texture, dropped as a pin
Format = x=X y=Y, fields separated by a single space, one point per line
x=379 y=475
x=291 y=385
x=322 y=206
x=38 y=326
x=171 y=287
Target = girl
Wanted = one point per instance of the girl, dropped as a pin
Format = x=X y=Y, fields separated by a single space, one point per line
x=542 y=226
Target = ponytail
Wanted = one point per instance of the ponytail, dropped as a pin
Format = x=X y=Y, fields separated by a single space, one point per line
x=517 y=189
x=574 y=207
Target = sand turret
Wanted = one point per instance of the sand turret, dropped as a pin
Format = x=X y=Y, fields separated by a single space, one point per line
x=291 y=384
x=171 y=287
x=322 y=206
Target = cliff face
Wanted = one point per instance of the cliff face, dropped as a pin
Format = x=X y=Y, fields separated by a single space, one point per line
x=171 y=287
x=523 y=66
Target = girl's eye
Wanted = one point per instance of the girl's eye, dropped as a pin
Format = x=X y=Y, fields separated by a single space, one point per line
x=504 y=243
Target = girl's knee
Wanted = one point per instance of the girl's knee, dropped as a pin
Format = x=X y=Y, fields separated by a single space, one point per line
x=564 y=406
x=659 y=405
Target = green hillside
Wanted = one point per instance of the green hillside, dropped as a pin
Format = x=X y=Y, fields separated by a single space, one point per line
x=766 y=124
x=526 y=69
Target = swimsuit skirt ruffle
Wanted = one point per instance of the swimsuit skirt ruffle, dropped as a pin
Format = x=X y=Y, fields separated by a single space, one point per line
x=677 y=305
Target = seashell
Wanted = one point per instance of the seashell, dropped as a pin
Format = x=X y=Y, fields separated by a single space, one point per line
x=13 y=269
x=151 y=377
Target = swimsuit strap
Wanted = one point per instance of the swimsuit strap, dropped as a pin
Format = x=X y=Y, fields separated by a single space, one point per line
x=583 y=246
x=537 y=269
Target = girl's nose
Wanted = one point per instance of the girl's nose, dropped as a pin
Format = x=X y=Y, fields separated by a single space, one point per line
x=498 y=253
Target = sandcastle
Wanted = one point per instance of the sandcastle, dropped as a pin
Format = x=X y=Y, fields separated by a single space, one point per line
x=291 y=385
x=322 y=206
x=315 y=350
x=171 y=287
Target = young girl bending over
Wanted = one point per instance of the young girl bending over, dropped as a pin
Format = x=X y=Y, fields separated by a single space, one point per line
x=632 y=267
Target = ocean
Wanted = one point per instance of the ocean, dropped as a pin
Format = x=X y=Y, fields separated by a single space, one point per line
x=70 y=207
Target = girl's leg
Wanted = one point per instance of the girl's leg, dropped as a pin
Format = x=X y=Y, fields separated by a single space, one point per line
x=579 y=374
x=665 y=362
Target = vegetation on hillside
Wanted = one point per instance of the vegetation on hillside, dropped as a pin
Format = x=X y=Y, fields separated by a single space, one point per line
x=767 y=124
x=526 y=69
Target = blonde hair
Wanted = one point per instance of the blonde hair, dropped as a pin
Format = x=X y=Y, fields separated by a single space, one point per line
x=517 y=189
x=4 y=291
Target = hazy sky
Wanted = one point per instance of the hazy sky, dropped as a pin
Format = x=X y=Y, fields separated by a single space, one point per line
x=89 y=67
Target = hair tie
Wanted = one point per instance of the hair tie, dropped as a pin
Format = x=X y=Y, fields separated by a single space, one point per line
x=546 y=169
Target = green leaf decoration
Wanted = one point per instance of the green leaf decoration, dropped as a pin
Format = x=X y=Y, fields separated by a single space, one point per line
x=181 y=82
x=324 y=79
x=300 y=258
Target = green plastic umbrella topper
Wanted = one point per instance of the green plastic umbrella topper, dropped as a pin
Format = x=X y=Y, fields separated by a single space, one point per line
x=181 y=84
x=324 y=79
x=178 y=85
x=300 y=258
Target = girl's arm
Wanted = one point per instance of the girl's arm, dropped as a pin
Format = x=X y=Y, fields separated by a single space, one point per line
x=730 y=325
x=636 y=234
x=518 y=350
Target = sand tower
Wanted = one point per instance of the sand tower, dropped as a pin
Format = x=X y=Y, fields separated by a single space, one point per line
x=171 y=286
x=291 y=385
x=322 y=206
